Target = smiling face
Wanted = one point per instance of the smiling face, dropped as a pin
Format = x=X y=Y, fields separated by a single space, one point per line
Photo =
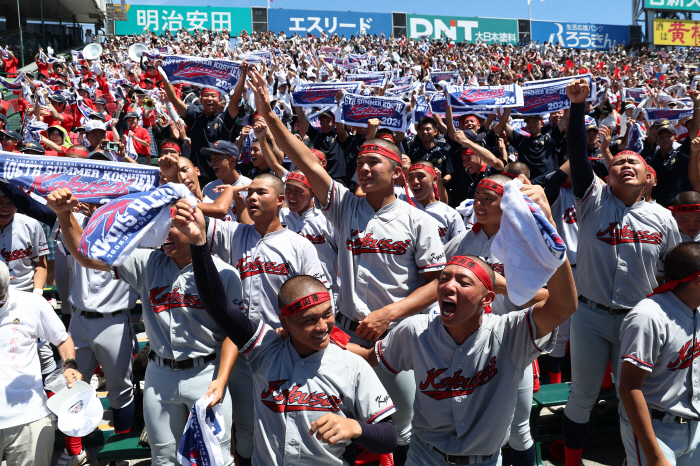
x=256 y=156
x=221 y=164
x=461 y=297
x=210 y=102
x=327 y=124
x=421 y=183
x=310 y=330
x=487 y=207
x=188 y=174
x=534 y=126
x=471 y=162
x=56 y=137
x=298 y=196
x=427 y=133
x=469 y=123
x=7 y=211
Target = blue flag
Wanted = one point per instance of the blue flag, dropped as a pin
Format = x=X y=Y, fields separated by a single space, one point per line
x=549 y=95
x=481 y=97
x=221 y=75
x=357 y=110
x=321 y=94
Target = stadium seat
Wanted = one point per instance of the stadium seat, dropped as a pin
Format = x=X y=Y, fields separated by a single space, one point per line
x=121 y=447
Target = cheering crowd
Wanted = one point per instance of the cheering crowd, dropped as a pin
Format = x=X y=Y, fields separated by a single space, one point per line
x=361 y=261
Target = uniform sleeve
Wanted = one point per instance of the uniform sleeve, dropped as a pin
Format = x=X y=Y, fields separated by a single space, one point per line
x=590 y=199
x=673 y=237
x=310 y=263
x=339 y=204
x=372 y=402
x=49 y=325
x=395 y=352
x=430 y=256
x=457 y=226
x=133 y=270
x=520 y=334
x=641 y=339
x=452 y=248
x=192 y=113
x=261 y=346
x=220 y=236
x=39 y=242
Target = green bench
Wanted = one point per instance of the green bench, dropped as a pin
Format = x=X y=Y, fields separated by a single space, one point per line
x=121 y=447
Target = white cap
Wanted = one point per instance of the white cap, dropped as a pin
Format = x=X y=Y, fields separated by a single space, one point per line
x=78 y=409
x=94 y=124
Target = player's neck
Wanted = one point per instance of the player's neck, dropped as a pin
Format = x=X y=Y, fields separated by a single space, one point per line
x=231 y=177
x=629 y=195
x=380 y=198
x=490 y=230
x=427 y=201
x=688 y=296
x=183 y=260
x=268 y=226
x=460 y=334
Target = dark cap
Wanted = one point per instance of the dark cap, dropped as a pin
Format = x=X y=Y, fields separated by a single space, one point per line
x=58 y=98
x=327 y=113
x=34 y=147
x=668 y=127
x=592 y=126
x=148 y=80
x=14 y=135
x=101 y=101
x=131 y=115
x=221 y=147
x=3 y=118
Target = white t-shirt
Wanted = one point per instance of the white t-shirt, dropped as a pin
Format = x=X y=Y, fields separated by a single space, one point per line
x=25 y=318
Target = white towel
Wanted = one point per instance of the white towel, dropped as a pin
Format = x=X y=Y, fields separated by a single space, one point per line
x=200 y=440
x=527 y=245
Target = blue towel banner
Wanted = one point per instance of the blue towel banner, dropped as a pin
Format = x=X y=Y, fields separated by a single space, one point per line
x=485 y=96
x=370 y=79
x=357 y=110
x=221 y=75
x=550 y=95
x=321 y=94
x=671 y=114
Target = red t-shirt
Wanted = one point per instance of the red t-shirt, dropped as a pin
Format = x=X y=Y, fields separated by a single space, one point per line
x=53 y=153
x=67 y=122
x=10 y=66
x=4 y=107
x=142 y=134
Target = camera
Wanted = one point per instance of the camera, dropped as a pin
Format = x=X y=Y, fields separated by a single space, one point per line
x=113 y=146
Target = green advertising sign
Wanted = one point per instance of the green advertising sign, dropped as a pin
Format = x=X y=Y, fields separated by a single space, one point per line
x=158 y=18
x=678 y=5
x=460 y=29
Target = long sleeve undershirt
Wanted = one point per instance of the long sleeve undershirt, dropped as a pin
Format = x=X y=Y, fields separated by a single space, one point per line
x=581 y=169
x=379 y=438
x=27 y=206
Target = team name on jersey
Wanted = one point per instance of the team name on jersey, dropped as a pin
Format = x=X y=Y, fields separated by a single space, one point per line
x=295 y=399
x=248 y=269
x=16 y=254
x=172 y=299
x=442 y=231
x=369 y=244
x=315 y=239
x=570 y=215
x=613 y=235
x=456 y=385
x=686 y=354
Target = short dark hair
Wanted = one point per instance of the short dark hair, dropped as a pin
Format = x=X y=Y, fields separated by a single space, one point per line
x=426 y=120
x=389 y=145
x=518 y=168
x=274 y=180
x=687 y=198
x=683 y=261
x=297 y=287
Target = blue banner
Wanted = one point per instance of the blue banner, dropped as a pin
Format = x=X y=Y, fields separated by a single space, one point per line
x=637 y=94
x=357 y=110
x=549 y=95
x=370 y=79
x=580 y=36
x=671 y=114
x=406 y=80
x=449 y=76
x=221 y=75
x=485 y=96
x=135 y=220
x=438 y=105
x=314 y=22
x=321 y=94
x=422 y=109
x=89 y=181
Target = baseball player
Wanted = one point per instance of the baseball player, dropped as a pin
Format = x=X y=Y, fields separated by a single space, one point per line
x=621 y=241
x=311 y=398
x=659 y=384
x=422 y=179
x=468 y=363
x=190 y=356
x=393 y=253
x=686 y=213
x=224 y=157
x=100 y=324
x=477 y=241
x=265 y=254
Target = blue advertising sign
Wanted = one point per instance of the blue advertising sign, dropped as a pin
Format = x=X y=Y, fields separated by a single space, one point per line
x=580 y=36
x=314 y=22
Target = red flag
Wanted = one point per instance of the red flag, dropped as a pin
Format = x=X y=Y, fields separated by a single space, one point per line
x=617 y=73
x=494 y=68
x=627 y=67
x=529 y=67
x=582 y=70
x=662 y=78
x=599 y=66
x=506 y=60
x=569 y=64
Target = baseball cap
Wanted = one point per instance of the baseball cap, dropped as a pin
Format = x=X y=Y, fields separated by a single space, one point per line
x=101 y=101
x=33 y=147
x=14 y=135
x=592 y=126
x=91 y=125
x=221 y=147
x=3 y=118
x=99 y=116
x=327 y=113
x=132 y=115
x=668 y=127
x=58 y=98
x=78 y=409
x=628 y=106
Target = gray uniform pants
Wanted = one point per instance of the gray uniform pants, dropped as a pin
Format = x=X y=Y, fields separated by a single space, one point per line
x=28 y=444
x=108 y=342
x=243 y=401
x=167 y=400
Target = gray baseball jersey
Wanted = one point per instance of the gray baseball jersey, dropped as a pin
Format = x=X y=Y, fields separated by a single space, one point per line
x=385 y=251
x=315 y=227
x=455 y=383
x=564 y=214
x=210 y=195
x=685 y=238
x=619 y=247
x=21 y=244
x=292 y=392
x=94 y=290
x=264 y=263
x=657 y=336
x=176 y=323
x=450 y=223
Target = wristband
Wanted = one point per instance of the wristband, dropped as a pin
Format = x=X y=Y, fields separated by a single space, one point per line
x=39 y=291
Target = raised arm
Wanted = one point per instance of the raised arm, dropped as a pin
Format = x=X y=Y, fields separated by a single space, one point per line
x=297 y=152
x=576 y=139
x=28 y=206
x=503 y=124
x=238 y=91
x=179 y=105
x=61 y=201
x=484 y=154
x=260 y=130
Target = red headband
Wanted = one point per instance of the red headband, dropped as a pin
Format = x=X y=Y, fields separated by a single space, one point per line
x=171 y=145
x=387 y=136
x=298 y=177
x=477 y=270
x=388 y=153
x=469 y=117
x=671 y=284
x=319 y=154
x=685 y=208
x=509 y=175
x=82 y=152
x=209 y=89
x=626 y=152
x=305 y=303
x=429 y=169
x=492 y=185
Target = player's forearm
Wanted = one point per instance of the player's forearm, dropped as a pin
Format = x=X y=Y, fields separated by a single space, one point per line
x=640 y=420
x=380 y=438
x=179 y=105
x=142 y=142
x=40 y=273
x=66 y=349
x=229 y=354
x=420 y=299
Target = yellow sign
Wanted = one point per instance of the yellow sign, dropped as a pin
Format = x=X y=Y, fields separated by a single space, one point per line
x=676 y=32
